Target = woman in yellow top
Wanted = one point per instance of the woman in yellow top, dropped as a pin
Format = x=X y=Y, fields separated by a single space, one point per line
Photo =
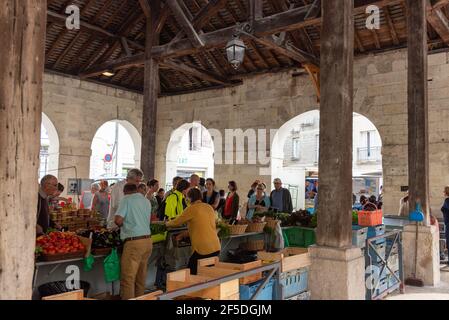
x=200 y=219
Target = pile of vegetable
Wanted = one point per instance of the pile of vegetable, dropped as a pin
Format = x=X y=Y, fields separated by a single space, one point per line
x=59 y=242
x=223 y=229
x=355 y=217
x=158 y=228
x=301 y=218
x=103 y=238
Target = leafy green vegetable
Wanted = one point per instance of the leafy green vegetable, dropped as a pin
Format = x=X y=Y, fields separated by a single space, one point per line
x=157 y=228
x=224 y=230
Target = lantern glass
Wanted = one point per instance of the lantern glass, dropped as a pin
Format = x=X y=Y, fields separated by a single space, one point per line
x=235 y=50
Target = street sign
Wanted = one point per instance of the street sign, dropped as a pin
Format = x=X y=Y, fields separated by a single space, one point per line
x=108 y=157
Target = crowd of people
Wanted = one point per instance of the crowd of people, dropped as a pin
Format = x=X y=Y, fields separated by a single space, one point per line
x=131 y=204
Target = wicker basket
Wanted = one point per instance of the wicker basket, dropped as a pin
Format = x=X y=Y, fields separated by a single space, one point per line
x=272 y=223
x=256 y=227
x=235 y=229
x=255 y=245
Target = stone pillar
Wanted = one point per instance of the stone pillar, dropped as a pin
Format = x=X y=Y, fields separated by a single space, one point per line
x=337 y=270
x=428 y=262
x=427 y=268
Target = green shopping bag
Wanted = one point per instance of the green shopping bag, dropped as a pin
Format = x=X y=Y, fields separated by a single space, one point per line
x=111 y=265
x=88 y=263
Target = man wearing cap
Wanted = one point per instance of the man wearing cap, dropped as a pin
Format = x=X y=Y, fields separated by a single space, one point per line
x=134 y=176
x=281 y=198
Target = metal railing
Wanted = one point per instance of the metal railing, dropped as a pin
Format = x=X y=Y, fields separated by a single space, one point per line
x=372 y=154
x=274 y=269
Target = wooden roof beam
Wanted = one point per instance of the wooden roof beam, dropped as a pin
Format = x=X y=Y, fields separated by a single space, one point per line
x=145 y=8
x=438 y=21
x=160 y=22
x=376 y=39
x=185 y=23
x=197 y=73
x=439 y=4
x=288 y=50
x=393 y=32
x=289 y=20
x=203 y=16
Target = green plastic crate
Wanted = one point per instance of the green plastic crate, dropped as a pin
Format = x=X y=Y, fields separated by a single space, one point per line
x=300 y=237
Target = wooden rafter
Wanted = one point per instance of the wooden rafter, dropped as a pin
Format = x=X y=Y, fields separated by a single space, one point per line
x=376 y=39
x=104 y=26
x=160 y=22
x=314 y=73
x=393 y=32
x=145 y=6
x=358 y=41
x=198 y=73
x=259 y=55
x=439 y=22
x=185 y=24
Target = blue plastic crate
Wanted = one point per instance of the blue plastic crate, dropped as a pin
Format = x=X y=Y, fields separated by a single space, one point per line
x=294 y=283
x=392 y=281
x=248 y=290
x=382 y=287
x=377 y=231
x=381 y=249
x=359 y=235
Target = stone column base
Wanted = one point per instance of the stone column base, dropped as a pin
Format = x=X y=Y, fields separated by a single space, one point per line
x=337 y=274
x=428 y=266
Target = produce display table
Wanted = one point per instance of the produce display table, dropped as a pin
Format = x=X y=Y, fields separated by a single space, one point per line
x=48 y=271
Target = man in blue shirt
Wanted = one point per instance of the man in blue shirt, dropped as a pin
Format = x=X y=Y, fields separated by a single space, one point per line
x=133 y=218
x=281 y=198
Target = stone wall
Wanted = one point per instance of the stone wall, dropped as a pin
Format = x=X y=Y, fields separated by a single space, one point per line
x=79 y=108
x=268 y=101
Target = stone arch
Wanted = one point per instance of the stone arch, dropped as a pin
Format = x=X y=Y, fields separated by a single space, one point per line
x=174 y=160
x=134 y=136
x=293 y=175
x=50 y=156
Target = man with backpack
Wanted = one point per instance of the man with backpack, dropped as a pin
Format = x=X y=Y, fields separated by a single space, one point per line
x=175 y=203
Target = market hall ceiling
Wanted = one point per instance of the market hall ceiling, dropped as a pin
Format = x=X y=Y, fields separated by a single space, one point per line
x=112 y=33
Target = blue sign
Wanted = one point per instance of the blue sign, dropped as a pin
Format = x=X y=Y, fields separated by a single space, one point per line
x=108 y=157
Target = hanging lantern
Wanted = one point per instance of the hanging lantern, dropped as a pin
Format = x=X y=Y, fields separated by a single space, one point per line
x=235 y=50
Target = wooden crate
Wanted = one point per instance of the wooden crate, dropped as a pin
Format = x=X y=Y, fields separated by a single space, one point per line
x=212 y=267
x=72 y=295
x=149 y=296
x=291 y=258
x=182 y=279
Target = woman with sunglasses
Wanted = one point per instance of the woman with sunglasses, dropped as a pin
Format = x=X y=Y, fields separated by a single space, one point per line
x=258 y=202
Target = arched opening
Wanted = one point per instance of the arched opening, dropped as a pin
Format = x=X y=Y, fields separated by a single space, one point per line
x=49 y=151
x=295 y=154
x=190 y=150
x=115 y=149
